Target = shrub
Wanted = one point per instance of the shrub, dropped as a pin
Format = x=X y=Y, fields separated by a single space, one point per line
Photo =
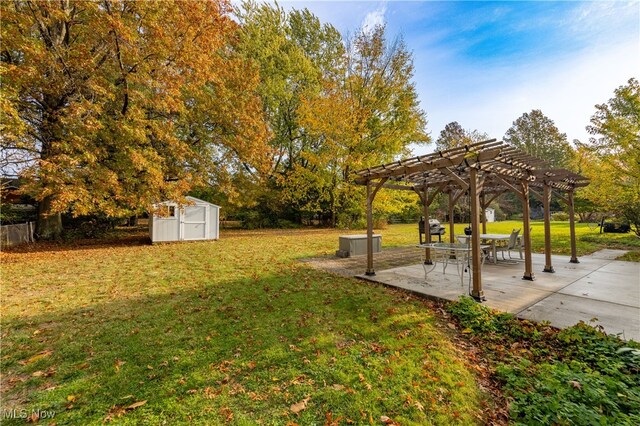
x=287 y=224
x=579 y=375
x=478 y=318
x=560 y=217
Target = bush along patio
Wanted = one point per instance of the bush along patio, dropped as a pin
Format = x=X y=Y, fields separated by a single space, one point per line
x=578 y=375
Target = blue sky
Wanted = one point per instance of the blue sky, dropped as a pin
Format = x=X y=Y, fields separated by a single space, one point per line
x=484 y=64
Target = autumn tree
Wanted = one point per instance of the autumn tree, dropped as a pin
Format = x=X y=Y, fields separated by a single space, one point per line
x=615 y=127
x=365 y=115
x=111 y=106
x=537 y=135
x=597 y=197
x=454 y=135
x=294 y=52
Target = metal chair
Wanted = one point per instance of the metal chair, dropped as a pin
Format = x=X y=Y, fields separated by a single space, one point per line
x=521 y=244
x=511 y=245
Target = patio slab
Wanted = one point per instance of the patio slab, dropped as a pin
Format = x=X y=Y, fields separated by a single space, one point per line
x=564 y=311
x=597 y=287
x=607 y=287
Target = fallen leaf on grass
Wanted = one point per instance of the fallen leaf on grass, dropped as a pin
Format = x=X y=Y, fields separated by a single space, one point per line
x=226 y=413
x=119 y=363
x=136 y=405
x=451 y=325
x=575 y=384
x=36 y=357
x=330 y=421
x=337 y=387
x=297 y=407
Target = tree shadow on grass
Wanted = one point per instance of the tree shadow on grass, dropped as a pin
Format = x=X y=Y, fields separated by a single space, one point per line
x=241 y=352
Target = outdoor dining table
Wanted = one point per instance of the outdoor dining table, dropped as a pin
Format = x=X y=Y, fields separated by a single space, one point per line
x=491 y=239
x=445 y=253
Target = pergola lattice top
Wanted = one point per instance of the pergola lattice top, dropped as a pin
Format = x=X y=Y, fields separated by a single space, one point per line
x=504 y=167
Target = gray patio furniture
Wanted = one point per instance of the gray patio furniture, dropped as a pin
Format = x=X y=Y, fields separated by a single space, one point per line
x=512 y=244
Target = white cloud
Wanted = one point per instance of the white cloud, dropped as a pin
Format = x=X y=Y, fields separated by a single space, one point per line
x=374 y=18
x=566 y=91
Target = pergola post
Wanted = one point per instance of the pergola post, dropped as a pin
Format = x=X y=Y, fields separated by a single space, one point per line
x=370 y=270
x=452 y=237
x=427 y=229
x=483 y=208
x=572 y=228
x=546 y=203
x=528 y=264
x=474 y=195
x=371 y=195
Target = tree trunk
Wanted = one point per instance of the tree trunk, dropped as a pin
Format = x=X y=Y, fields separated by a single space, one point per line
x=48 y=225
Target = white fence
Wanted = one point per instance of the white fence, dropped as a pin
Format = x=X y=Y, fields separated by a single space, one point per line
x=11 y=235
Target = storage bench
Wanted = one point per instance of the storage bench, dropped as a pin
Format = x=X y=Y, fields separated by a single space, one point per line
x=355 y=245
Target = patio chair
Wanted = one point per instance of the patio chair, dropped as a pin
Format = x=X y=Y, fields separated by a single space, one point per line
x=511 y=244
x=466 y=239
x=521 y=245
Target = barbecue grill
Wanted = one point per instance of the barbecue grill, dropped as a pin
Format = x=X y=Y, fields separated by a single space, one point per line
x=434 y=229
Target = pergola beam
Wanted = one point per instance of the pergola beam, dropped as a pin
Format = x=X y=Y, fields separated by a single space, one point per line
x=513 y=188
x=464 y=158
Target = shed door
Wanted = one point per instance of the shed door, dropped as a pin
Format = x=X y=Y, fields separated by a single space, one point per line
x=195 y=225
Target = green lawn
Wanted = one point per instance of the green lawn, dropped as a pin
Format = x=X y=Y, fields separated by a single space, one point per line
x=587 y=240
x=233 y=331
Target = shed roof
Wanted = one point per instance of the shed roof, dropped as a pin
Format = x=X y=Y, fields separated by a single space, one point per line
x=190 y=198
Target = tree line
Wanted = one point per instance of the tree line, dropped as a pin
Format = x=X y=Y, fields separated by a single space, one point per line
x=109 y=107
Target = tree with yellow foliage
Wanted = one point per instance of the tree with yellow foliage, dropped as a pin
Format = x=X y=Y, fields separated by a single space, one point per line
x=111 y=106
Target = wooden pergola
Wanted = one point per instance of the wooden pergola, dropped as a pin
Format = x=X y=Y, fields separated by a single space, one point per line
x=484 y=171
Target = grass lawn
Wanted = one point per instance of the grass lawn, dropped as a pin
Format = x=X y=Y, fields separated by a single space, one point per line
x=233 y=331
x=587 y=240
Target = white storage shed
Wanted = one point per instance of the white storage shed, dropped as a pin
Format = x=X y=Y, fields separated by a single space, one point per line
x=490 y=214
x=199 y=220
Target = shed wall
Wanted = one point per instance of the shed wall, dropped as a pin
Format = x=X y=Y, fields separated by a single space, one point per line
x=166 y=228
x=163 y=229
x=214 y=222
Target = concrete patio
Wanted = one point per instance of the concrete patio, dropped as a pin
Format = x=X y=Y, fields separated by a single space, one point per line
x=599 y=290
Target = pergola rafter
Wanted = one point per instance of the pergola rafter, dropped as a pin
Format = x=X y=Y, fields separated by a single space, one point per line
x=483 y=170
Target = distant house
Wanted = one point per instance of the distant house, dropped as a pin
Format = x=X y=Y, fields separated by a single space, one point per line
x=199 y=220
x=9 y=194
x=15 y=207
x=490 y=214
